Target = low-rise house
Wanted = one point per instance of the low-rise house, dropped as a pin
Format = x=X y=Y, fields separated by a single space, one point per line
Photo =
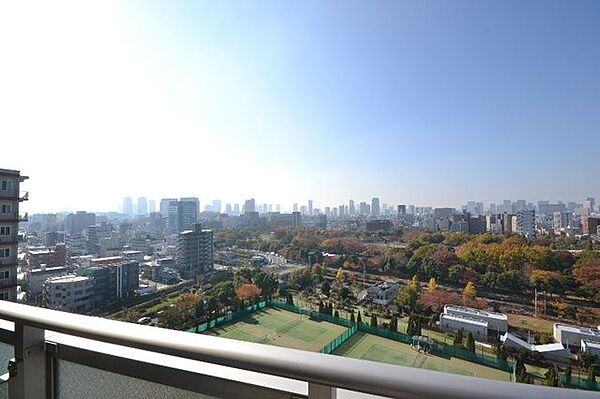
x=381 y=294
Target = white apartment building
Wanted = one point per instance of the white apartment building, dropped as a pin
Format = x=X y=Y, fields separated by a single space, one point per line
x=69 y=293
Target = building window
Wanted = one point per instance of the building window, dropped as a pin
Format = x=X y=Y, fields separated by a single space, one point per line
x=4 y=230
x=4 y=274
x=6 y=208
x=4 y=252
x=6 y=185
x=4 y=296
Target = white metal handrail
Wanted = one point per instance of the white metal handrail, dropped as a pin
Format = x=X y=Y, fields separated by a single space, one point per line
x=315 y=368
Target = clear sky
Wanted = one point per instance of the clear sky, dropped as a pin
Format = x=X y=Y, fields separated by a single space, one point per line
x=415 y=102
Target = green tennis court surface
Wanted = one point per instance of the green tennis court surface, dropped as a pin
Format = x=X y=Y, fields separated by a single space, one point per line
x=281 y=328
x=378 y=349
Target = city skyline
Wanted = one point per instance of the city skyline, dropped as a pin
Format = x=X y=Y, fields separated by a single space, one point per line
x=427 y=103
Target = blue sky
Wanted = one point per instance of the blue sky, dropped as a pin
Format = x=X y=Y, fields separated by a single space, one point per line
x=416 y=102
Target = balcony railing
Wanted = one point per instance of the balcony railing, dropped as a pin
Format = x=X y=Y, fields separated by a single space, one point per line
x=9 y=194
x=8 y=282
x=9 y=261
x=57 y=353
x=9 y=217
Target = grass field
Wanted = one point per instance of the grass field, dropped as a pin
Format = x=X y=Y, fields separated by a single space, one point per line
x=378 y=349
x=279 y=327
x=535 y=324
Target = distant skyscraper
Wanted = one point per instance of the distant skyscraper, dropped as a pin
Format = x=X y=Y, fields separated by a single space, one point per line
x=164 y=206
x=295 y=207
x=228 y=209
x=142 y=206
x=236 y=209
x=250 y=205
x=351 y=208
x=303 y=209
x=151 y=206
x=526 y=223
x=128 y=206
x=401 y=210
x=278 y=208
x=183 y=214
x=375 y=210
x=492 y=208
x=363 y=208
x=310 y=207
x=216 y=206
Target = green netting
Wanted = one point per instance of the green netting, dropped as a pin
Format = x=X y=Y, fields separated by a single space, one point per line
x=580 y=383
x=229 y=317
x=382 y=332
x=343 y=337
x=486 y=360
x=312 y=314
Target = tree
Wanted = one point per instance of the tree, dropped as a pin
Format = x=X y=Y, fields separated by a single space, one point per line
x=500 y=352
x=326 y=288
x=330 y=309
x=586 y=359
x=409 y=295
x=373 y=320
x=432 y=285
x=469 y=292
x=344 y=292
x=470 y=343
x=352 y=318
x=568 y=374
x=458 y=339
x=394 y=324
x=289 y=299
x=336 y=314
x=248 y=292
x=592 y=373
x=321 y=307
x=359 y=318
x=340 y=274
x=551 y=377
x=413 y=326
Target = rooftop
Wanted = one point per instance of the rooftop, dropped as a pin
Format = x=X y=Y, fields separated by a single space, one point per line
x=465 y=319
x=66 y=279
x=578 y=330
x=476 y=312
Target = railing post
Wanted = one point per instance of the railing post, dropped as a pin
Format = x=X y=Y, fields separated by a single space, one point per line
x=28 y=372
x=318 y=391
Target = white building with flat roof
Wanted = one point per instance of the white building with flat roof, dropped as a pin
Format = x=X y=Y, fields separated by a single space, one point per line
x=571 y=336
x=479 y=328
x=69 y=293
x=497 y=322
x=591 y=347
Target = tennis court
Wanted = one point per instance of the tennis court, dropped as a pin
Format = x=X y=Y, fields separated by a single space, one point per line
x=280 y=327
x=378 y=349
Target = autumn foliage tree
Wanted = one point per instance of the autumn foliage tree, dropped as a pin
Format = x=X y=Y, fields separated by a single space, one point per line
x=248 y=292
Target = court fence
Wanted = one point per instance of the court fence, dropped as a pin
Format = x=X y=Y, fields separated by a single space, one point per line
x=579 y=383
x=439 y=348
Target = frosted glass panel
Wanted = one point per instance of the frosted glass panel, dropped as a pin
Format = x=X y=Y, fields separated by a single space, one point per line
x=76 y=381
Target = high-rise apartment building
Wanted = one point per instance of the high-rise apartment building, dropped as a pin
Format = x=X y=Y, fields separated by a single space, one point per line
x=151 y=206
x=375 y=210
x=401 y=210
x=194 y=252
x=250 y=205
x=526 y=223
x=590 y=225
x=216 y=206
x=310 y=207
x=351 y=207
x=142 y=206
x=128 y=206
x=561 y=220
x=10 y=198
x=76 y=223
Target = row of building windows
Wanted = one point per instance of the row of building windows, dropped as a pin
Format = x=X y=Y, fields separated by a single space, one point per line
x=5 y=230
x=6 y=185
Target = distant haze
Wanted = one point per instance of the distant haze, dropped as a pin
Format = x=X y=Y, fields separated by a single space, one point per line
x=432 y=103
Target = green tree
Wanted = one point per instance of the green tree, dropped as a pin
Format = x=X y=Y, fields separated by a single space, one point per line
x=413 y=326
x=409 y=295
x=352 y=318
x=394 y=324
x=568 y=374
x=290 y=299
x=373 y=320
x=458 y=339
x=359 y=318
x=326 y=288
x=336 y=314
x=592 y=373
x=470 y=343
